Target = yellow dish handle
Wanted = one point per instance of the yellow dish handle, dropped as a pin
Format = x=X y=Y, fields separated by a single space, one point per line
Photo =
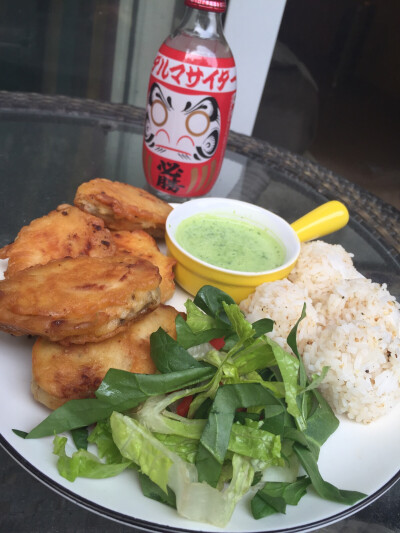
x=325 y=219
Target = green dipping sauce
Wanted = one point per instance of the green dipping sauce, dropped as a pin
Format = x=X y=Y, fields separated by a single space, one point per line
x=230 y=243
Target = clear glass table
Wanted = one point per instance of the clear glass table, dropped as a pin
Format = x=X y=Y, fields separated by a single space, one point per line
x=49 y=145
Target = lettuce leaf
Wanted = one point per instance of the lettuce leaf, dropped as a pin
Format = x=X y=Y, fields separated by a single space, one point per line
x=136 y=443
x=215 y=438
x=83 y=463
x=101 y=436
x=289 y=369
x=256 y=443
x=194 y=500
x=184 y=447
x=151 y=416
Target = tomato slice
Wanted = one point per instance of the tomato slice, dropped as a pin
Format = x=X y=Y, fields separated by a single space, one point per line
x=182 y=408
x=218 y=344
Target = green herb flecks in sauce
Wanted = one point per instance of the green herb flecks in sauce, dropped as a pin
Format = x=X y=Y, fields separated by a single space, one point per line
x=230 y=243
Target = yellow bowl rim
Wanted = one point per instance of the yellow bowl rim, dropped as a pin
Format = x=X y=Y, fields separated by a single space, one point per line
x=193 y=263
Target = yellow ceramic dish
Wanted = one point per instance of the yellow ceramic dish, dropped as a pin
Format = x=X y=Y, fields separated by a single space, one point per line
x=192 y=273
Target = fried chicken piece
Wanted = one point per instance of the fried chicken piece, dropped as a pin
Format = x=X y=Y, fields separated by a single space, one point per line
x=4 y=251
x=141 y=244
x=65 y=232
x=61 y=373
x=86 y=299
x=122 y=206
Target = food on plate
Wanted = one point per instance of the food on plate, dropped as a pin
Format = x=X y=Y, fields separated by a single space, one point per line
x=210 y=422
x=4 y=251
x=61 y=373
x=283 y=301
x=352 y=325
x=65 y=232
x=122 y=206
x=220 y=241
x=86 y=299
x=72 y=302
x=202 y=406
x=320 y=266
x=142 y=244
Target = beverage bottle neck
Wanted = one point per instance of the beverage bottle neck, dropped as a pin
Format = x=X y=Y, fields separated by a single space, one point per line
x=200 y=23
x=200 y=32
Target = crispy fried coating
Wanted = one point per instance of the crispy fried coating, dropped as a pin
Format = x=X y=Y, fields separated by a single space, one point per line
x=65 y=232
x=86 y=299
x=4 y=251
x=122 y=206
x=61 y=373
x=143 y=245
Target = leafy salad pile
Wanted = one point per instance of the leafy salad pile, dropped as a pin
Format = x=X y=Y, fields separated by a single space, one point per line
x=228 y=405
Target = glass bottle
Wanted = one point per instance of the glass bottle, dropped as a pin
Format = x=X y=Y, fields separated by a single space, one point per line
x=190 y=101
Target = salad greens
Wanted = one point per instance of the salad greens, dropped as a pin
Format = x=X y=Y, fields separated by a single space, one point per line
x=249 y=406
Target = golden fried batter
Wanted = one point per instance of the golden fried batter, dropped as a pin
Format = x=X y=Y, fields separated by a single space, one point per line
x=86 y=299
x=122 y=206
x=4 y=251
x=62 y=373
x=143 y=245
x=65 y=232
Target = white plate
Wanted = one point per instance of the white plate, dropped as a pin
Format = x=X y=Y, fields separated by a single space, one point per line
x=356 y=457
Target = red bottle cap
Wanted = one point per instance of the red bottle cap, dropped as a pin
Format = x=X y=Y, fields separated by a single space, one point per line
x=207 y=5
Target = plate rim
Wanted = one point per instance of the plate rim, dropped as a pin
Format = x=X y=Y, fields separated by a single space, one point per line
x=151 y=527
x=368 y=209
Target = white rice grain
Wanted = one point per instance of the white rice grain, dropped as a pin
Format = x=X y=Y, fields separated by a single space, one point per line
x=352 y=325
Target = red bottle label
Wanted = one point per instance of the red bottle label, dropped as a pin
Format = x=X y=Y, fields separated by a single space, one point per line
x=189 y=107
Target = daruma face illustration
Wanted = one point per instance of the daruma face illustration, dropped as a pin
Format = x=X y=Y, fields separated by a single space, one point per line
x=182 y=127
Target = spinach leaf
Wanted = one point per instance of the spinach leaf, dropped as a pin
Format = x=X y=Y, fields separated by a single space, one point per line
x=262 y=326
x=320 y=425
x=323 y=488
x=230 y=340
x=214 y=440
x=207 y=320
x=203 y=410
x=292 y=337
x=257 y=356
x=72 y=415
x=263 y=504
x=119 y=391
x=304 y=400
x=168 y=355
x=152 y=490
x=210 y=300
x=274 y=496
x=20 y=433
x=124 y=390
x=276 y=417
x=187 y=338
x=295 y=435
x=80 y=438
x=243 y=416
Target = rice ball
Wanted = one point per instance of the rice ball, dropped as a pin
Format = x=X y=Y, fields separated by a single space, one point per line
x=320 y=266
x=282 y=301
x=364 y=374
x=361 y=299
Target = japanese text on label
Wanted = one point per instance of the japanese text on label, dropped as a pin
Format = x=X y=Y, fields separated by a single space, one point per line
x=200 y=78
